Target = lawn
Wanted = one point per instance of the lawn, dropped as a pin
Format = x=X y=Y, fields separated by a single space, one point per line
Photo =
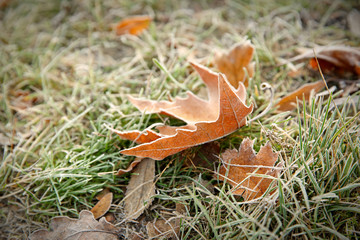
x=65 y=77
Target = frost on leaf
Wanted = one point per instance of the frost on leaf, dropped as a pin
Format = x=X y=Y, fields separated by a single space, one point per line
x=166 y=228
x=288 y=102
x=84 y=228
x=141 y=189
x=207 y=120
x=236 y=64
x=245 y=170
x=103 y=205
x=339 y=59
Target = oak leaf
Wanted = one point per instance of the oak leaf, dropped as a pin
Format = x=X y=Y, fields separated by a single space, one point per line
x=84 y=228
x=288 y=102
x=340 y=59
x=242 y=169
x=133 y=25
x=223 y=113
x=236 y=64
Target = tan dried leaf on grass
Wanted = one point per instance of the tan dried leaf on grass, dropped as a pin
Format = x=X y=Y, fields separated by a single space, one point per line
x=166 y=228
x=163 y=229
x=288 y=102
x=207 y=120
x=243 y=169
x=103 y=205
x=338 y=59
x=140 y=189
x=236 y=64
x=84 y=228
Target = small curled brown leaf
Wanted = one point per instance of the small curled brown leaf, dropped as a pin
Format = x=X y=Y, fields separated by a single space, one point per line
x=288 y=102
x=133 y=25
x=102 y=206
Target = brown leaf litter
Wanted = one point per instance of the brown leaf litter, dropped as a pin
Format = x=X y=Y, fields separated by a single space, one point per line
x=133 y=25
x=103 y=205
x=245 y=170
x=84 y=228
x=141 y=189
x=236 y=64
x=288 y=102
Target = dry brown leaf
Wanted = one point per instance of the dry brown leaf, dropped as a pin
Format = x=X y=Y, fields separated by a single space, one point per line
x=102 y=206
x=138 y=136
x=239 y=167
x=21 y=100
x=133 y=25
x=163 y=229
x=140 y=189
x=110 y=217
x=339 y=59
x=166 y=228
x=130 y=168
x=204 y=157
x=288 y=102
x=84 y=228
x=102 y=193
x=236 y=64
x=222 y=114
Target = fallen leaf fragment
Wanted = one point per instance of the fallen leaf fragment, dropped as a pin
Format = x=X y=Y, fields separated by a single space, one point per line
x=341 y=59
x=130 y=168
x=140 y=189
x=102 y=206
x=133 y=25
x=239 y=168
x=102 y=193
x=84 y=228
x=166 y=228
x=236 y=64
x=138 y=136
x=288 y=102
x=163 y=229
x=22 y=100
x=222 y=114
x=110 y=217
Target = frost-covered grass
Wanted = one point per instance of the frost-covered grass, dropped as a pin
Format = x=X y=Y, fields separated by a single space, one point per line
x=65 y=76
